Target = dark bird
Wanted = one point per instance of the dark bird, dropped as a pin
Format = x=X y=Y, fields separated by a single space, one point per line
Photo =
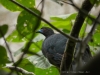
x=54 y=45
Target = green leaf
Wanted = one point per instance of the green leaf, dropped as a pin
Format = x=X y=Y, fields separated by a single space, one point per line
x=27 y=65
x=13 y=7
x=34 y=47
x=82 y=31
x=96 y=38
x=39 y=61
x=3 y=30
x=63 y=17
x=49 y=71
x=3 y=56
x=37 y=43
x=62 y=24
x=15 y=37
x=63 y=21
x=89 y=21
x=98 y=29
x=97 y=2
x=26 y=23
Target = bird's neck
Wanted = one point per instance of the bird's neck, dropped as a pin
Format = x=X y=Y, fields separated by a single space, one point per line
x=48 y=34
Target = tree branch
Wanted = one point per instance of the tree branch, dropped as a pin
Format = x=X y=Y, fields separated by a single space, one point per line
x=9 y=51
x=69 y=50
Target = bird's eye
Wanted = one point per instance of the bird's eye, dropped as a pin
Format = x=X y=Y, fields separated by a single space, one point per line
x=44 y=30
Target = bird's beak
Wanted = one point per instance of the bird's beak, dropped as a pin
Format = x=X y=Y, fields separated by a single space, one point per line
x=39 y=31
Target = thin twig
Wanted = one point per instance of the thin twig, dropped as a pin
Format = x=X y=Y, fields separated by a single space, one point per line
x=21 y=70
x=9 y=51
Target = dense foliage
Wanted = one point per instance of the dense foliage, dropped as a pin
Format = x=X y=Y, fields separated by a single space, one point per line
x=27 y=24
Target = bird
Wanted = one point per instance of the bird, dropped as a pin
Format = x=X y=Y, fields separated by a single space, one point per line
x=54 y=44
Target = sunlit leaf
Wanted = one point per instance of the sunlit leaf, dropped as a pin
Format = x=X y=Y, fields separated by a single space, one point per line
x=83 y=30
x=39 y=61
x=27 y=65
x=63 y=24
x=96 y=38
x=15 y=37
x=63 y=17
x=13 y=7
x=34 y=48
x=89 y=21
x=26 y=23
x=49 y=71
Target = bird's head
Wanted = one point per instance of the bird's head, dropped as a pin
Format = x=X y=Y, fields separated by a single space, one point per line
x=46 y=31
